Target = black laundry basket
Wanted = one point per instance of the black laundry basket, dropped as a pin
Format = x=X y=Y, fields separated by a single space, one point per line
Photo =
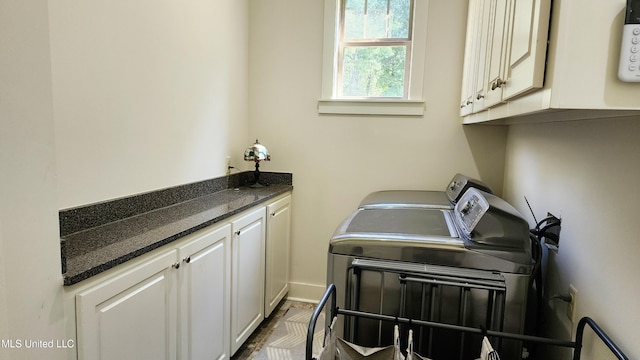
x=328 y=304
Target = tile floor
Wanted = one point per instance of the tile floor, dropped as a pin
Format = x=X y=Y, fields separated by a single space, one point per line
x=260 y=336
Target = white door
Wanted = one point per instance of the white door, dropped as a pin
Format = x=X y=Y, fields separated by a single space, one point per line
x=497 y=51
x=132 y=315
x=204 y=295
x=247 y=276
x=483 y=52
x=277 y=253
x=471 y=59
x=528 y=45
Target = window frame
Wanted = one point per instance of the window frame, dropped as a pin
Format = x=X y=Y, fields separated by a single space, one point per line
x=411 y=105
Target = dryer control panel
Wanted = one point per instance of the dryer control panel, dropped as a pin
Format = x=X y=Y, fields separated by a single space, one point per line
x=486 y=219
x=460 y=184
x=470 y=210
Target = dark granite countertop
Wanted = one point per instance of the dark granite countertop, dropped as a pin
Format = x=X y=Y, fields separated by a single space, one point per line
x=92 y=250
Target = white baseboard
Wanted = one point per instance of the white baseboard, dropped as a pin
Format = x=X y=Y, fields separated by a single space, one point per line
x=310 y=293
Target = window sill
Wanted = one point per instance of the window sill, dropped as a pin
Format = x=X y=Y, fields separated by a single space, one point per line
x=371 y=107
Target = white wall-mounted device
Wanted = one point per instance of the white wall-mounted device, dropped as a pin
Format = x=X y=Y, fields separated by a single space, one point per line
x=629 y=68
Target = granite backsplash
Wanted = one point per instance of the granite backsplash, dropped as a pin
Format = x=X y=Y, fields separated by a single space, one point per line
x=99 y=236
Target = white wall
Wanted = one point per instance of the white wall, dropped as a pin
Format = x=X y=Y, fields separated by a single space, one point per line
x=30 y=280
x=99 y=100
x=587 y=173
x=147 y=94
x=337 y=160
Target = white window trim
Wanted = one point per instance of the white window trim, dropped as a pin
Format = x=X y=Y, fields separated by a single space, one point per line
x=413 y=106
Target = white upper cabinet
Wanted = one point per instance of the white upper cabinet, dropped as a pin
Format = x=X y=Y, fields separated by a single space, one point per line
x=528 y=44
x=473 y=71
x=497 y=51
x=558 y=60
x=505 y=51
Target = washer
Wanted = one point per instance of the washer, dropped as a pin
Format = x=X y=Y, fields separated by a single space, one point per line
x=482 y=240
x=423 y=198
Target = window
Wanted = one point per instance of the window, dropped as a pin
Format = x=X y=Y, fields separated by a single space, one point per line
x=373 y=48
x=374 y=57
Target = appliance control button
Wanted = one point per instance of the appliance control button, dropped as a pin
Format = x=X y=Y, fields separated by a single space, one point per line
x=465 y=209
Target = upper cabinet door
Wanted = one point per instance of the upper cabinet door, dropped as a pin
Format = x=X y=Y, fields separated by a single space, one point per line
x=505 y=53
x=528 y=44
x=497 y=50
x=471 y=51
x=482 y=55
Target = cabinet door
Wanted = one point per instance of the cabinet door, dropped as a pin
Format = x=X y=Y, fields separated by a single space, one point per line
x=497 y=50
x=472 y=99
x=204 y=295
x=528 y=45
x=277 y=252
x=132 y=315
x=479 y=86
x=247 y=276
x=471 y=53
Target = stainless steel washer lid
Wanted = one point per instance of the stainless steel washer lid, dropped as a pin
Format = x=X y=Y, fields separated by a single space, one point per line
x=428 y=199
x=392 y=233
x=406 y=199
x=410 y=222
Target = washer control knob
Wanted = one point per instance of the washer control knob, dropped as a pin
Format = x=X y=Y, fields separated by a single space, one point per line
x=465 y=209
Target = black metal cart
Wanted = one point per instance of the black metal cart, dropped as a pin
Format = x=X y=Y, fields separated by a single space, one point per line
x=332 y=311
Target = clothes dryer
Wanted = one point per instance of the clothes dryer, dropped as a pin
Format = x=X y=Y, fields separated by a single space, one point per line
x=423 y=198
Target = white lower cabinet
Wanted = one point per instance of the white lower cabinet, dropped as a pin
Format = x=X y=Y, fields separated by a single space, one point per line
x=277 y=253
x=204 y=296
x=174 y=306
x=247 y=276
x=133 y=315
x=201 y=298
